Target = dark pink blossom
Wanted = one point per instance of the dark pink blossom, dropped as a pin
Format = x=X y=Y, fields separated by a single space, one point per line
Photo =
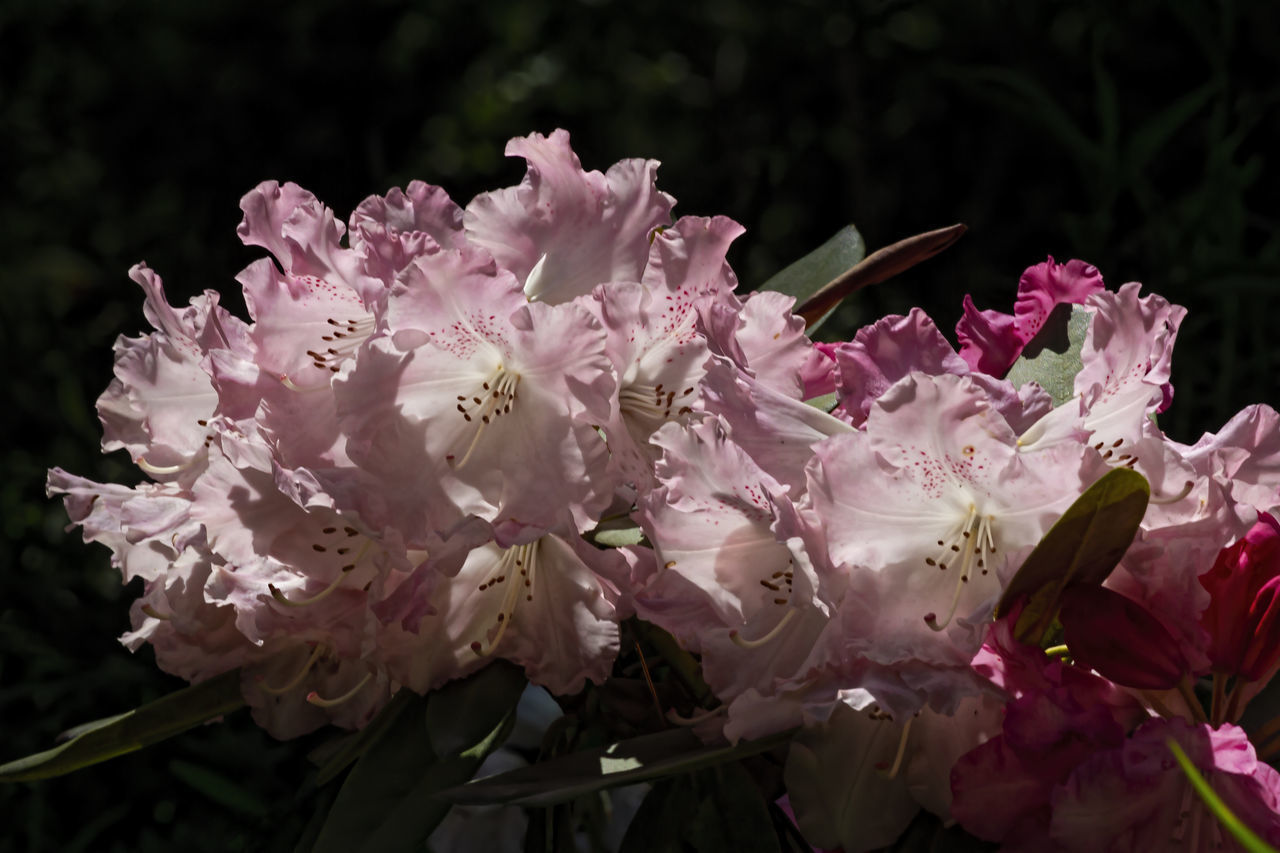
x=1135 y=798
x=991 y=342
x=1243 y=616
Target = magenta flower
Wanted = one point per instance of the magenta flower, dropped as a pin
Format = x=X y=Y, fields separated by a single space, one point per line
x=1135 y=798
x=991 y=342
x=1243 y=616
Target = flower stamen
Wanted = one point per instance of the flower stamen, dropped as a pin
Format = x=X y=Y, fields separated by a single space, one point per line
x=319 y=701
x=495 y=398
x=972 y=542
x=318 y=597
x=297 y=679
x=742 y=643
x=521 y=559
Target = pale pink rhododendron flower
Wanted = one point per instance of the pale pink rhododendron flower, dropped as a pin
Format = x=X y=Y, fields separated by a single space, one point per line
x=159 y=405
x=932 y=507
x=404 y=465
x=654 y=336
x=415 y=408
x=563 y=231
x=472 y=377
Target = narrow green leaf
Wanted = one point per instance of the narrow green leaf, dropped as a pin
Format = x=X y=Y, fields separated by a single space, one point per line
x=626 y=762
x=218 y=788
x=357 y=744
x=804 y=277
x=1022 y=95
x=461 y=714
x=1052 y=357
x=718 y=810
x=1247 y=838
x=658 y=825
x=1082 y=547
x=1148 y=140
x=732 y=815
x=387 y=802
x=100 y=740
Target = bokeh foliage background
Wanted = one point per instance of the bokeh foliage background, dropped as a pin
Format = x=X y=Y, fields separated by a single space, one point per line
x=1135 y=135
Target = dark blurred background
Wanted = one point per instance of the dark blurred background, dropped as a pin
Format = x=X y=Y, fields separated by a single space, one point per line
x=1137 y=136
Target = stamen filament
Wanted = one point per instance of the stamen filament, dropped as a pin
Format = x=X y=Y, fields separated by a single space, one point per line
x=320 y=702
x=318 y=597
x=1165 y=499
x=976 y=542
x=160 y=470
x=902 y=750
x=499 y=393
x=773 y=633
x=1188 y=693
x=289 y=383
x=525 y=556
x=674 y=716
x=297 y=679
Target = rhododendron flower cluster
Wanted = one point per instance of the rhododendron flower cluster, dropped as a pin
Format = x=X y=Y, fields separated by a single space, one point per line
x=389 y=475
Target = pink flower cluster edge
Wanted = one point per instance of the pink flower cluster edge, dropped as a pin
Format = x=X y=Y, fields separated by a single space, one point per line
x=387 y=476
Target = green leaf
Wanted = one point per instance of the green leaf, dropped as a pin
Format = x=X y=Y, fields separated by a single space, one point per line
x=461 y=714
x=1052 y=357
x=881 y=265
x=387 y=802
x=100 y=740
x=355 y=745
x=219 y=788
x=1148 y=140
x=1248 y=840
x=659 y=824
x=719 y=810
x=626 y=762
x=1022 y=95
x=804 y=277
x=1083 y=546
x=732 y=814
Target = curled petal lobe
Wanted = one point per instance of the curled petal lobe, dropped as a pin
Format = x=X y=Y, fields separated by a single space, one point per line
x=991 y=341
x=883 y=353
x=563 y=230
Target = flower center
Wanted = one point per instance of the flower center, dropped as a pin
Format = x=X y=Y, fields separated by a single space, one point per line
x=966 y=548
x=513 y=573
x=341 y=341
x=650 y=406
x=494 y=398
x=334 y=543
